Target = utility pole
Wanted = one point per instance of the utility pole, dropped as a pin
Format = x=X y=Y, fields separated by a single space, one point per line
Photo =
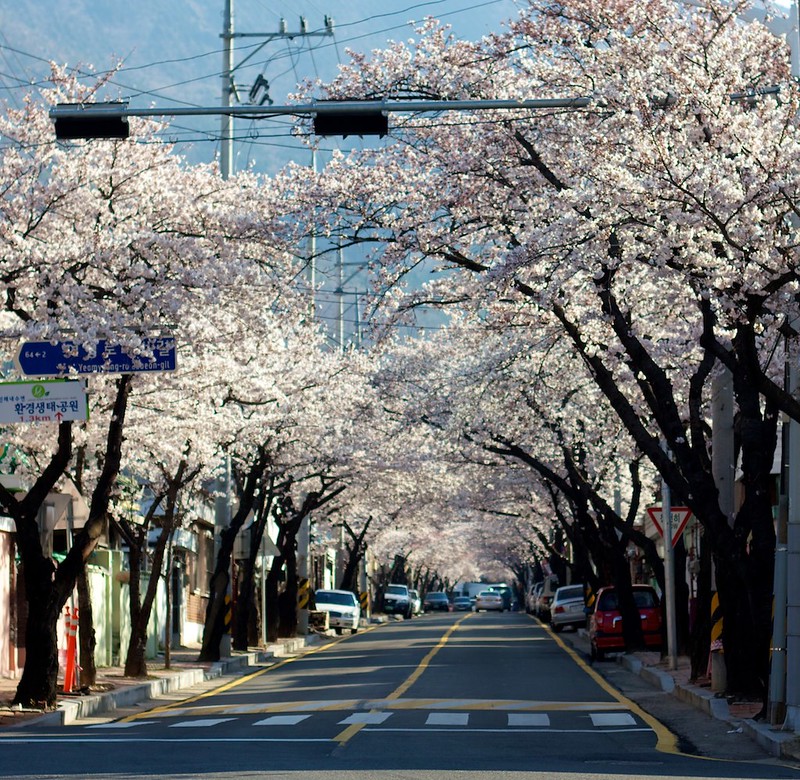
x=723 y=469
x=340 y=293
x=229 y=68
x=669 y=572
x=792 y=645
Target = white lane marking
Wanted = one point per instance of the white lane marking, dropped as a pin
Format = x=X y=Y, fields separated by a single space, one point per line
x=612 y=719
x=282 y=720
x=109 y=739
x=508 y=731
x=371 y=718
x=528 y=719
x=199 y=723
x=118 y=725
x=447 y=719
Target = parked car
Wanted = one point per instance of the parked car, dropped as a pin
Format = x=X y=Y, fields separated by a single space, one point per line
x=416 y=602
x=462 y=604
x=437 y=600
x=397 y=601
x=545 y=597
x=605 y=622
x=489 y=600
x=531 y=596
x=342 y=607
x=567 y=608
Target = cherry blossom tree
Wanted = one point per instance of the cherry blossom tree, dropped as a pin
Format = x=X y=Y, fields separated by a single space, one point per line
x=104 y=240
x=650 y=228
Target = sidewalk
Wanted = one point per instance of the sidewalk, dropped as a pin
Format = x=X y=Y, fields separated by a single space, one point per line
x=113 y=691
x=650 y=667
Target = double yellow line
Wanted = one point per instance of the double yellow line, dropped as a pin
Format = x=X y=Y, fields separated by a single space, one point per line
x=345 y=736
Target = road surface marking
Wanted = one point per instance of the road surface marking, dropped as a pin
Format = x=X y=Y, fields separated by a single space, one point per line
x=447 y=719
x=246 y=678
x=528 y=719
x=345 y=736
x=612 y=719
x=666 y=741
x=281 y=720
x=200 y=723
x=366 y=718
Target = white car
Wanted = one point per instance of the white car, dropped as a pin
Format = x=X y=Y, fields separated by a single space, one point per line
x=342 y=607
x=416 y=602
x=489 y=599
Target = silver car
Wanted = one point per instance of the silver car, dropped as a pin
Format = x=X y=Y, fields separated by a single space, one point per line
x=567 y=608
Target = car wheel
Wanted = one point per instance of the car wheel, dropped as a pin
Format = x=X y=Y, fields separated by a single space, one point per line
x=596 y=654
x=557 y=629
x=353 y=630
x=338 y=631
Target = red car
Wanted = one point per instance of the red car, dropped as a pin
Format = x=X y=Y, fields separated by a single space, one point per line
x=605 y=623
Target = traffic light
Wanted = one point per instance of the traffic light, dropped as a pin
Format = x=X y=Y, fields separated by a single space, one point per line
x=346 y=123
x=93 y=125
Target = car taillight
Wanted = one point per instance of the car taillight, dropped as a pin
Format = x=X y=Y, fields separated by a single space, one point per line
x=559 y=610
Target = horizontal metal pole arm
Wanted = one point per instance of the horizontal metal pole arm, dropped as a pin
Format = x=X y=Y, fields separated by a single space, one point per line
x=355 y=107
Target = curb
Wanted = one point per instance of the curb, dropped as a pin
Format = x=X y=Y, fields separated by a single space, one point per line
x=70 y=710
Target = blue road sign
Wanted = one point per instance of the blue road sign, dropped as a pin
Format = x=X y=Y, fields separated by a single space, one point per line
x=41 y=358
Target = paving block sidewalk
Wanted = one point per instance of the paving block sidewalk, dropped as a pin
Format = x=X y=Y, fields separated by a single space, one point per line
x=113 y=690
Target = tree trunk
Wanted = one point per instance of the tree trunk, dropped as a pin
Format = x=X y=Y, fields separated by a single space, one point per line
x=88 y=640
x=287 y=601
x=272 y=586
x=244 y=601
x=135 y=663
x=38 y=684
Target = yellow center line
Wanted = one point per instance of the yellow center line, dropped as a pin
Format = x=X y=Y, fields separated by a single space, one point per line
x=667 y=742
x=345 y=736
x=239 y=681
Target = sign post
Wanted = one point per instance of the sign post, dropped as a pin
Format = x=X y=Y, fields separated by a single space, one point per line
x=673 y=520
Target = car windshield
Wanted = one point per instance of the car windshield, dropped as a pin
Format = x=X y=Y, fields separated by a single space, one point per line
x=644 y=599
x=575 y=592
x=328 y=597
x=397 y=590
x=488 y=594
x=437 y=596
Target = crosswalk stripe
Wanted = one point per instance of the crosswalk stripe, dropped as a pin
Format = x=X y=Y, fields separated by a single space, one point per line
x=371 y=718
x=282 y=720
x=612 y=719
x=325 y=705
x=528 y=719
x=447 y=719
x=199 y=723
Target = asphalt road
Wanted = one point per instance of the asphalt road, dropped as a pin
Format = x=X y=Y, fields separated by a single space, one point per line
x=445 y=695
